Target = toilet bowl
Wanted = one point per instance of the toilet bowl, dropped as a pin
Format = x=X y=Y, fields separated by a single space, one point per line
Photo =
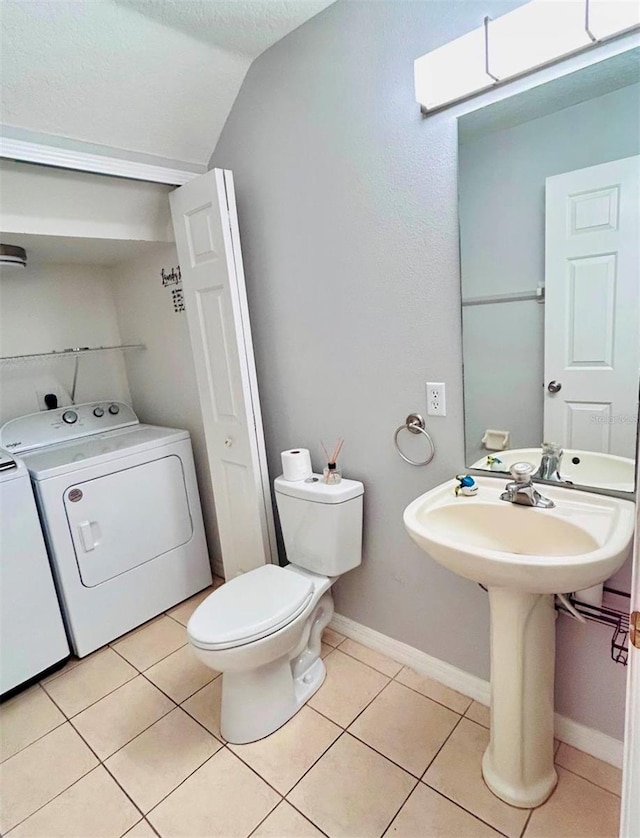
x=263 y=629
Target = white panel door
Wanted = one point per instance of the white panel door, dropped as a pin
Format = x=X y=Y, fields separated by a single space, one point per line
x=592 y=312
x=630 y=815
x=208 y=242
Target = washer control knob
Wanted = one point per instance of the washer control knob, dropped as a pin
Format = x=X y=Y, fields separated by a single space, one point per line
x=98 y=411
x=114 y=409
x=70 y=417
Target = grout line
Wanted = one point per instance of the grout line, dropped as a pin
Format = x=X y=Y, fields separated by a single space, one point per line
x=307 y=818
x=388 y=826
x=587 y=780
x=300 y=779
x=435 y=700
x=93 y=703
x=75 y=782
x=526 y=823
x=353 y=657
x=468 y=811
x=435 y=756
x=24 y=747
x=181 y=783
x=163 y=658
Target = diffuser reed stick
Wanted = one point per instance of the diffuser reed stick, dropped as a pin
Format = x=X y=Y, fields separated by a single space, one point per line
x=331 y=473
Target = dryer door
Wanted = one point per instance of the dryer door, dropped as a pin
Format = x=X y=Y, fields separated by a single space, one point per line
x=127 y=518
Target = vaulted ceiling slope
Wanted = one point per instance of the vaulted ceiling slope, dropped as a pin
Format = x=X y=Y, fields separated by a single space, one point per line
x=148 y=76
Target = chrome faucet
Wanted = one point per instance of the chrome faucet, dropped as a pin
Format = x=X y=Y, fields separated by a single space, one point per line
x=521 y=490
x=549 y=468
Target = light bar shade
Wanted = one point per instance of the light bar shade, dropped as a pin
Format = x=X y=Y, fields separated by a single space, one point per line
x=453 y=71
x=532 y=35
x=609 y=17
x=535 y=34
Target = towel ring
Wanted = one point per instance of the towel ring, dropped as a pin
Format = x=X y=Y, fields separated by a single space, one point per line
x=414 y=423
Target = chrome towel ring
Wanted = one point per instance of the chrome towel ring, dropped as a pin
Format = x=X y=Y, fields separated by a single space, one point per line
x=414 y=423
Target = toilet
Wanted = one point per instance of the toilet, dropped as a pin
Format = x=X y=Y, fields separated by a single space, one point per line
x=262 y=630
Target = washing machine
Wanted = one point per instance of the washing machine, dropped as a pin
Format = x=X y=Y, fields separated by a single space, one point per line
x=120 y=512
x=32 y=635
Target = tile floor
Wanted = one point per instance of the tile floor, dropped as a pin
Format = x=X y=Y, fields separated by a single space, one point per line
x=127 y=743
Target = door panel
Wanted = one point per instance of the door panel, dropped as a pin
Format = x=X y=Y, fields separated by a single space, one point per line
x=127 y=518
x=592 y=311
x=208 y=245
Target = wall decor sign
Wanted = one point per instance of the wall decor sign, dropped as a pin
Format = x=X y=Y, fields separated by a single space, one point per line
x=173 y=279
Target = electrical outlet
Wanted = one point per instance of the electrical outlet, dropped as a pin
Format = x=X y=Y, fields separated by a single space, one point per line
x=436 y=399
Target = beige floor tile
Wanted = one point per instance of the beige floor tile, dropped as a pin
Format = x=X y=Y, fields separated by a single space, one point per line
x=374 y=659
x=352 y=791
x=601 y=773
x=434 y=689
x=120 y=716
x=141 y=830
x=325 y=650
x=94 y=806
x=576 y=809
x=25 y=718
x=331 y=637
x=282 y=758
x=151 y=643
x=205 y=706
x=457 y=773
x=90 y=681
x=156 y=762
x=479 y=713
x=286 y=822
x=182 y=612
x=406 y=727
x=41 y=771
x=180 y=674
x=223 y=799
x=73 y=661
x=348 y=688
x=427 y=813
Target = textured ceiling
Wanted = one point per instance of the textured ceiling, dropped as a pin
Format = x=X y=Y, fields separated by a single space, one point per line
x=152 y=76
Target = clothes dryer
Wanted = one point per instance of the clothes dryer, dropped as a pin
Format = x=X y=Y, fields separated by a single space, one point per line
x=121 y=515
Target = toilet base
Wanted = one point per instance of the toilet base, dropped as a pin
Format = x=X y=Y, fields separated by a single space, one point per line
x=258 y=702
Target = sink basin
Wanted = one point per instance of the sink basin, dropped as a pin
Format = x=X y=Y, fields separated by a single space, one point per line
x=591 y=469
x=582 y=541
x=523 y=555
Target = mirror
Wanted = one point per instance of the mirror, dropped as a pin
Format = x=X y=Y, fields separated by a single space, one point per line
x=549 y=203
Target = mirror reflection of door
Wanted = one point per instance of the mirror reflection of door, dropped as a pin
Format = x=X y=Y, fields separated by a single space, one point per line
x=592 y=311
x=572 y=143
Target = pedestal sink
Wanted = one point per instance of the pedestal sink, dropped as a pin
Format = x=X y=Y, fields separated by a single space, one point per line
x=523 y=555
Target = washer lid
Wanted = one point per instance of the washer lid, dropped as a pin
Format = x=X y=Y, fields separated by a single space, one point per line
x=249 y=607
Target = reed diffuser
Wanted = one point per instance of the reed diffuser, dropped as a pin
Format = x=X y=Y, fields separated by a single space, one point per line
x=330 y=472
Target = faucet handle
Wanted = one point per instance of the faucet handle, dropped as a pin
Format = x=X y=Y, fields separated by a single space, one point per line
x=522 y=472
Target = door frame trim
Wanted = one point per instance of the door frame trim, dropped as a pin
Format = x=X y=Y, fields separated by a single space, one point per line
x=46 y=154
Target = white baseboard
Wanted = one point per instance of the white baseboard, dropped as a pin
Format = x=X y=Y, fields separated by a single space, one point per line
x=586 y=739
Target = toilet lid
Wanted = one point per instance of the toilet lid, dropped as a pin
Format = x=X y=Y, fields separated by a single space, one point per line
x=249 y=607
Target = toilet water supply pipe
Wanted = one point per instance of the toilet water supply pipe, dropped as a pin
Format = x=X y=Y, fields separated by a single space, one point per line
x=308 y=649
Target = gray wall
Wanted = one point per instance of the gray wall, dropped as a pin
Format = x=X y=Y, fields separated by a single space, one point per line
x=348 y=212
x=502 y=192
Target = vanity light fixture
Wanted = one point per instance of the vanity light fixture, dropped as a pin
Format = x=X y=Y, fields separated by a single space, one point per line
x=531 y=36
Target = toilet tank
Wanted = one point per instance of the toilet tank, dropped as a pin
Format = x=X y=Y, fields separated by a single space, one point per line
x=321 y=523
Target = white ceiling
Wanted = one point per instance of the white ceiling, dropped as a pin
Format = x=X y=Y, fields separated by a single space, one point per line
x=151 y=76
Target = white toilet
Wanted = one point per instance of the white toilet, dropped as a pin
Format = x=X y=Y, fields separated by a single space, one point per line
x=262 y=630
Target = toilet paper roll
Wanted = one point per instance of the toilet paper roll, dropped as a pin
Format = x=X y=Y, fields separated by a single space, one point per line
x=296 y=464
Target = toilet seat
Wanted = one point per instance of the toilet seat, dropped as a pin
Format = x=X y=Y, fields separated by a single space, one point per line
x=249 y=607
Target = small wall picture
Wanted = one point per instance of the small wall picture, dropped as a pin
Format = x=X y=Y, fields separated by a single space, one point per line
x=172 y=279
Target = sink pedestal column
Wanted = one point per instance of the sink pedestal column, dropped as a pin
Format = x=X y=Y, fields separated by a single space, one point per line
x=518 y=764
